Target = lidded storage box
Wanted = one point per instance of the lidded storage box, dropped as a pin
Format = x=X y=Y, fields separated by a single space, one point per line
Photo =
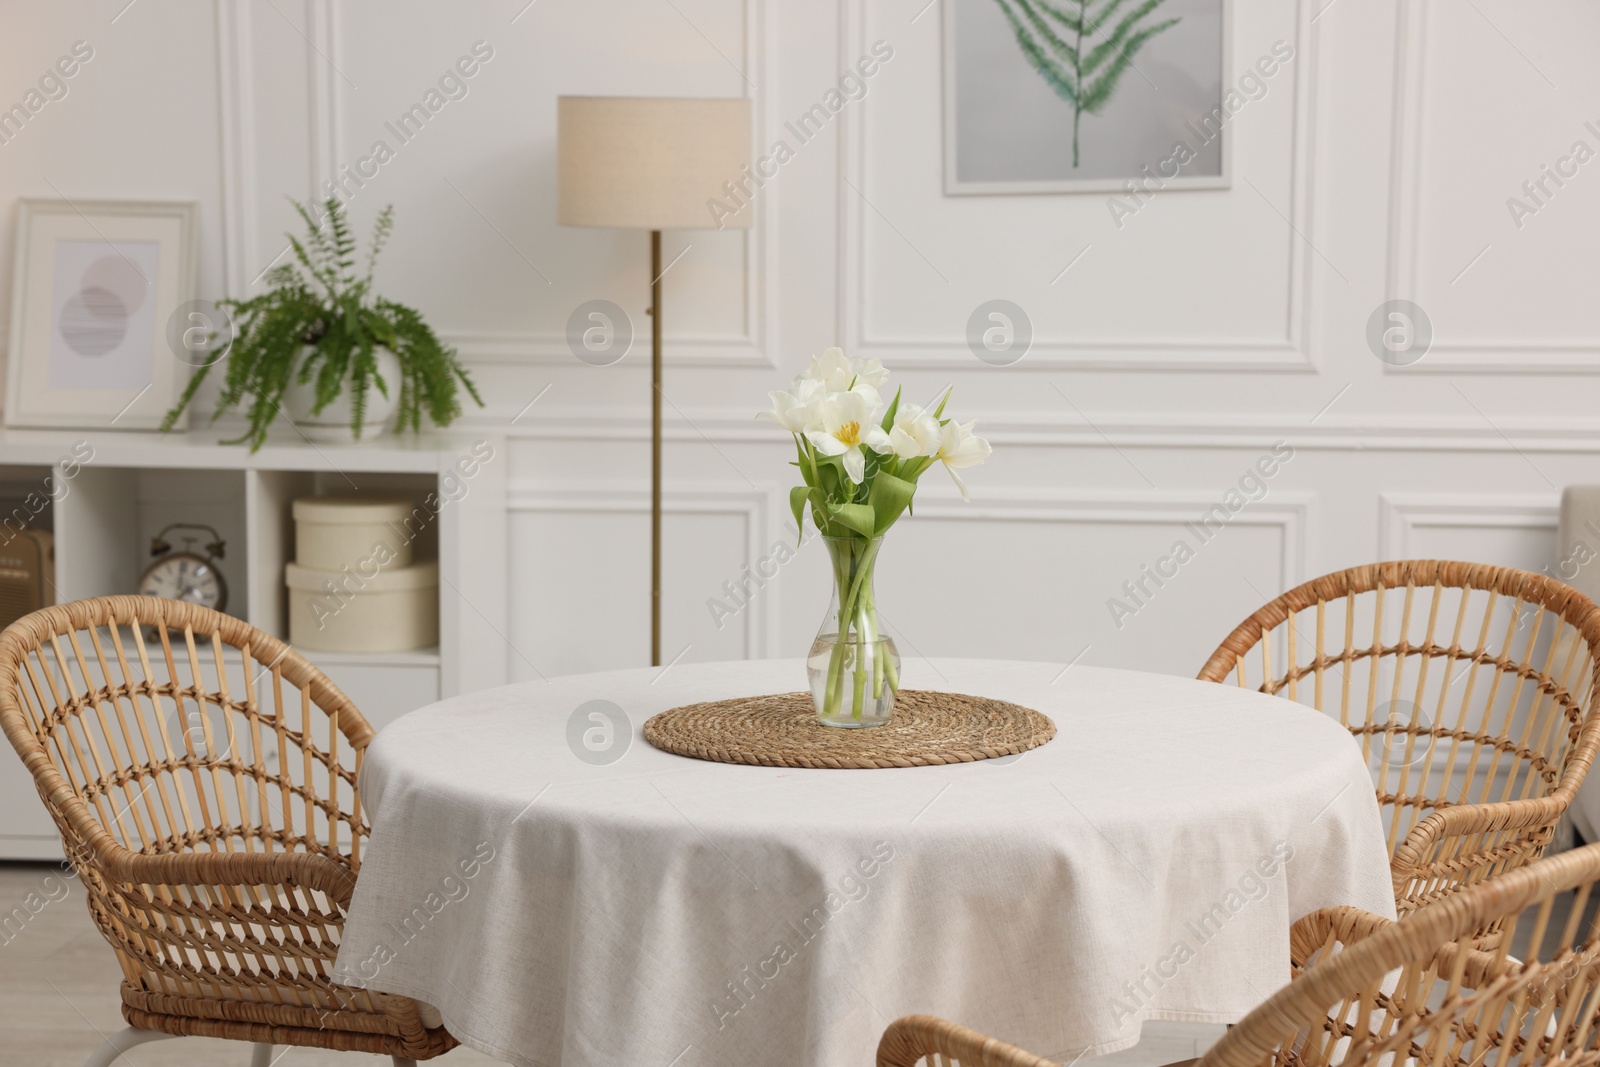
x=354 y=585
x=332 y=531
x=383 y=609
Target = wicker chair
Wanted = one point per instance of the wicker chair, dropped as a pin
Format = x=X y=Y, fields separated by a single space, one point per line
x=202 y=775
x=1370 y=991
x=1472 y=690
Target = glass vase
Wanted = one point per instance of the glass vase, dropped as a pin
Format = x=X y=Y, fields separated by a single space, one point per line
x=853 y=667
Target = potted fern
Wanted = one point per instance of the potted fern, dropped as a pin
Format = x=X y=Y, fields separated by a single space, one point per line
x=316 y=345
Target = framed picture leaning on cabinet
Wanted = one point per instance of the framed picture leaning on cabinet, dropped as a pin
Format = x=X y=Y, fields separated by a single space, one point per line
x=97 y=287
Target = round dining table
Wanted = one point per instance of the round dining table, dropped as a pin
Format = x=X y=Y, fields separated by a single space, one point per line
x=563 y=894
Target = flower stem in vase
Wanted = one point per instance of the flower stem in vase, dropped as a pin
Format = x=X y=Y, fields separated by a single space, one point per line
x=860 y=689
x=847 y=652
x=854 y=643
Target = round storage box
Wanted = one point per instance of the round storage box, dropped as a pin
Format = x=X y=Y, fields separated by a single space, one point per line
x=331 y=532
x=363 y=609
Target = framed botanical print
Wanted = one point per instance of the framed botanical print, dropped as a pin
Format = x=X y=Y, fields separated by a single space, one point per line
x=97 y=286
x=1065 y=96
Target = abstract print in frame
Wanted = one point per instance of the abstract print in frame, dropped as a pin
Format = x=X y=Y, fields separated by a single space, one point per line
x=98 y=290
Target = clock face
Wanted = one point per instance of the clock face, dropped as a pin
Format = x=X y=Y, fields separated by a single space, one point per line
x=186 y=577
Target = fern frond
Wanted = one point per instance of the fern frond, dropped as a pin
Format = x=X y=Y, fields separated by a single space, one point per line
x=1056 y=74
x=342 y=241
x=316 y=237
x=1101 y=16
x=380 y=237
x=304 y=257
x=1065 y=52
x=1072 y=22
x=1114 y=47
x=282 y=275
x=1081 y=70
x=1099 y=92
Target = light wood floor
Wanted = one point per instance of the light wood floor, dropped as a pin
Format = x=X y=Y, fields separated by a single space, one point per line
x=58 y=994
x=58 y=1000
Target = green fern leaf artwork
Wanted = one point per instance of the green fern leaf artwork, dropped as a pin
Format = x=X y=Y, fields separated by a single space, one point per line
x=1082 y=48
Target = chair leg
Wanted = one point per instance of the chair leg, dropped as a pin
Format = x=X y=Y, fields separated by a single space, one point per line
x=400 y=1061
x=120 y=1042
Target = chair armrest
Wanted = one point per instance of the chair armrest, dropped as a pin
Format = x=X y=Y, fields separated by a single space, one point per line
x=91 y=845
x=102 y=855
x=1340 y=923
x=307 y=870
x=182 y=916
x=910 y=1038
x=1421 y=853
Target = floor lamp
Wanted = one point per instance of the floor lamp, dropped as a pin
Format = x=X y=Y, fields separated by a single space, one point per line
x=652 y=163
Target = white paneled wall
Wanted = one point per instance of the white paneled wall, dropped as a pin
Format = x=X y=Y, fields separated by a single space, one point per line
x=1171 y=351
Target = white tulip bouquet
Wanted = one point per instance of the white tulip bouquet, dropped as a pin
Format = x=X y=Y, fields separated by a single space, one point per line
x=860 y=473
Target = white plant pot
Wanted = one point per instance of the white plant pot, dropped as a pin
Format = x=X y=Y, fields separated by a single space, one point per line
x=332 y=423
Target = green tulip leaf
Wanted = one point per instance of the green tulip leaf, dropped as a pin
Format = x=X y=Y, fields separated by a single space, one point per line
x=888 y=498
x=805 y=467
x=888 y=416
x=797 y=504
x=857 y=517
x=830 y=476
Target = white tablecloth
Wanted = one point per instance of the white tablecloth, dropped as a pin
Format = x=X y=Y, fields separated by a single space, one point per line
x=657 y=910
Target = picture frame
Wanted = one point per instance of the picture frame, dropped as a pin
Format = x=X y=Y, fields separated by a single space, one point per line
x=95 y=288
x=1007 y=132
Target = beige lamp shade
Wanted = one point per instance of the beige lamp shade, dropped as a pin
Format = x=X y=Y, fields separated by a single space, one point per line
x=651 y=163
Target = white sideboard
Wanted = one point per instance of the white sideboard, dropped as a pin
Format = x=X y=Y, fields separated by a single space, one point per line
x=105 y=509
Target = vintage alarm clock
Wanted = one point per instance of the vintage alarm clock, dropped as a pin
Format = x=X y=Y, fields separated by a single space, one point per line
x=186 y=575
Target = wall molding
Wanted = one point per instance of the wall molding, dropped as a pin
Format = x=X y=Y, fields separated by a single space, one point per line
x=237 y=143
x=764 y=508
x=545 y=349
x=324 y=123
x=1292 y=513
x=1295 y=352
x=754 y=504
x=1399 y=514
x=1404 y=237
x=757 y=345
x=1065 y=430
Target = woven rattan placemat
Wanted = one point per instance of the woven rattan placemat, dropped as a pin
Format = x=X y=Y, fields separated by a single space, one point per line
x=781 y=730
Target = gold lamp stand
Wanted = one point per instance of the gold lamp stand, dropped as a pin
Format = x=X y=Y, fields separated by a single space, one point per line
x=655 y=448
